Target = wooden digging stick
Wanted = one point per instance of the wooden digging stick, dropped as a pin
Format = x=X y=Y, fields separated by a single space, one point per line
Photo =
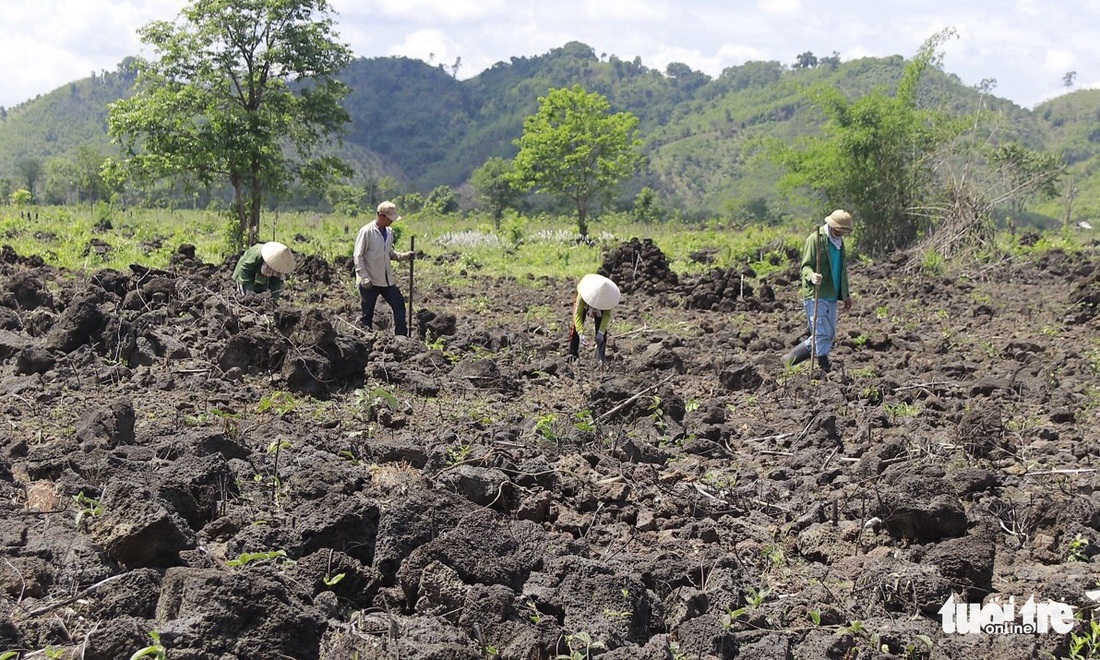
x=817 y=297
x=412 y=259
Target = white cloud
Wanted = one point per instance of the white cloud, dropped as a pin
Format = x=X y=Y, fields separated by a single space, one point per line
x=445 y=11
x=432 y=46
x=780 y=7
x=631 y=11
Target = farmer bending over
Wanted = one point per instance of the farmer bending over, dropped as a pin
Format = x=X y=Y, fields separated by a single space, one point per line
x=599 y=295
x=263 y=267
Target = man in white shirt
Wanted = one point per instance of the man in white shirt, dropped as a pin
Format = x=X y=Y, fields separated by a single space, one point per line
x=373 y=270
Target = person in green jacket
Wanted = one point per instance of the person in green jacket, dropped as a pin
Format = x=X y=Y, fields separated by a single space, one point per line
x=824 y=283
x=263 y=267
x=596 y=294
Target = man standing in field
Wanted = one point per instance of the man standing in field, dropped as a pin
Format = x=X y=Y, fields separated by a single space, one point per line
x=373 y=271
x=824 y=277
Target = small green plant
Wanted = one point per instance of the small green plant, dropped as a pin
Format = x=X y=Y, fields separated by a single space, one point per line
x=853 y=628
x=278 y=402
x=89 y=507
x=583 y=421
x=657 y=412
x=933 y=263
x=580 y=645
x=536 y=616
x=333 y=580
x=1023 y=424
x=458 y=454
x=773 y=553
x=617 y=614
x=902 y=409
x=1078 y=547
x=371 y=402
x=692 y=405
x=1093 y=357
x=230 y=422
x=815 y=617
x=676 y=652
x=155 y=650
x=757 y=597
x=1082 y=646
x=719 y=480
x=753 y=600
x=246 y=558
x=882 y=312
x=435 y=343
x=861 y=341
x=544 y=426
x=9 y=655
x=873 y=394
x=922 y=651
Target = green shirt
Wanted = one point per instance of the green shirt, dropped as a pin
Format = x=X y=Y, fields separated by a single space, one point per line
x=579 y=310
x=817 y=258
x=248 y=275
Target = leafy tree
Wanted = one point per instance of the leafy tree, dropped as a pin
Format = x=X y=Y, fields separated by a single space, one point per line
x=831 y=62
x=22 y=197
x=805 y=60
x=345 y=199
x=1069 y=79
x=647 y=208
x=242 y=90
x=574 y=147
x=875 y=156
x=493 y=184
x=30 y=171
x=1025 y=173
x=60 y=185
x=441 y=200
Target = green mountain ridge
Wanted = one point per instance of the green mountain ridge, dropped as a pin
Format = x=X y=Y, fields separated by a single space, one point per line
x=420 y=125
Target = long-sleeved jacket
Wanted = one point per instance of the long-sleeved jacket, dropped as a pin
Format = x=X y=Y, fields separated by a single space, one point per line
x=816 y=253
x=248 y=275
x=372 y=256
x=580 y=308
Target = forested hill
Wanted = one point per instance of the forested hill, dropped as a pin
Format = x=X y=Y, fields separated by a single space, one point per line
x=423 y=126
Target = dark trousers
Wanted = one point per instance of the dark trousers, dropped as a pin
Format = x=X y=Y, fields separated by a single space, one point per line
x=368 y=296
x=575 y=338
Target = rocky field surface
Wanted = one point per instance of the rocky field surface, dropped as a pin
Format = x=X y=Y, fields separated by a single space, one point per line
x=240 y=478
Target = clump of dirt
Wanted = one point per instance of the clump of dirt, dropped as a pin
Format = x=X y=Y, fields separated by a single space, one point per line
x=638 y=265
x=254 y=478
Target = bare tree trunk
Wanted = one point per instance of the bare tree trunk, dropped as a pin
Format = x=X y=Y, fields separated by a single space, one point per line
x=238 y=207
x=582 y=218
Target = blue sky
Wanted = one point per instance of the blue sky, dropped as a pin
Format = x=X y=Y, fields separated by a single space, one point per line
x=1027 y=46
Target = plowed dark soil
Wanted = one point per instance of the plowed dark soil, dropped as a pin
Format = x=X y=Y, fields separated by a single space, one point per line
x=252 y=479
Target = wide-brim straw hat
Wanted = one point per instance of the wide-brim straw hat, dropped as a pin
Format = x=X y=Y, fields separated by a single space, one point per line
x=839 y=219
x=599 y=292
x=277 y=257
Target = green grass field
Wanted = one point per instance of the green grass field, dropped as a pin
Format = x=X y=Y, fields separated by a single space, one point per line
x=84 y=239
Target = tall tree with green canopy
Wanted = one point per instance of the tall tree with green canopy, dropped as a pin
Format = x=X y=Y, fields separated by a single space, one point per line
x=493 y=184
x=875 y=157
x=240 y=90
x=574 y=147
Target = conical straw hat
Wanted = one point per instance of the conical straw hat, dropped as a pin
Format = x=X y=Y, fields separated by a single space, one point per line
x=277 y=257
x=598 y=291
